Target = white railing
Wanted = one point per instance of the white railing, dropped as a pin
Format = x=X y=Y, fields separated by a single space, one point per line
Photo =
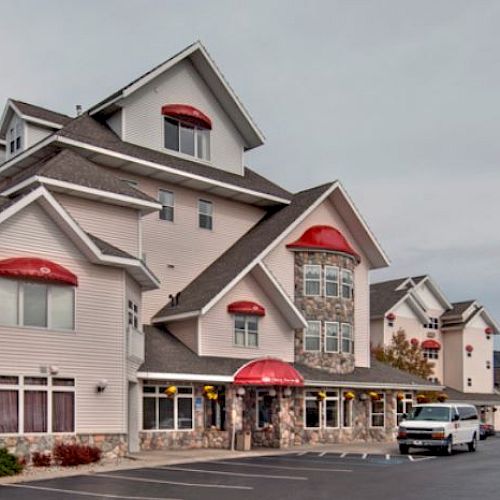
x=135 y=345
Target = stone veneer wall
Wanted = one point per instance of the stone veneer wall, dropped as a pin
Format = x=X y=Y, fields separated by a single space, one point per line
x=322 y=308
x=112 y=445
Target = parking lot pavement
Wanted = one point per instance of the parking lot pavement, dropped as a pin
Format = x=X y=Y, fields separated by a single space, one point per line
x=295 y=475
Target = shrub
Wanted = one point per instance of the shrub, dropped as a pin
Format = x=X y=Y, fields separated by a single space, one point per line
x=68 y=455
x=41 y=459
x=9 y=465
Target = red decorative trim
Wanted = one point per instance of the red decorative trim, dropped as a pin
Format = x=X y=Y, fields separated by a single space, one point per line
x=431 y=344
x=488 y=330
x=187 y=113
x=469 y=348
x=391 y=316
x=414 y=341
x=246 y=307
x=34 y=268
x=268 y=372
x=325 y=238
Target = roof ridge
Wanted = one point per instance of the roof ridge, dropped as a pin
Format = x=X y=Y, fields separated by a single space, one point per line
x=41 y=107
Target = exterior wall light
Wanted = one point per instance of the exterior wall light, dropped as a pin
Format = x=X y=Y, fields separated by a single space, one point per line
x=272 y=392
x=287 y=392
x=101 y=385
x=240 y=391
x=53 y=369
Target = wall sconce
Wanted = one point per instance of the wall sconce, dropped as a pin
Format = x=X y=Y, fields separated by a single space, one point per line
x=287 y=392
x=240 y=391
x=53 y=369
x=363 y=396
x=101 y=385
x=272 y=392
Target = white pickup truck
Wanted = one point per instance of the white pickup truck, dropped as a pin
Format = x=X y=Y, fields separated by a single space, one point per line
x=440 y=427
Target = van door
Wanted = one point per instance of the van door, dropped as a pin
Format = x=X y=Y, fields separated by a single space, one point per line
x=459 y=426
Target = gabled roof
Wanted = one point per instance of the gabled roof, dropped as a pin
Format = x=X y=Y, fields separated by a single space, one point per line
x=458 y=309
x=72 y=170
x=215 y=80
x=427 y=280
x=384 y=296
x=96 y=250
x=474 y=398
x=207 y=288
x=465 y=312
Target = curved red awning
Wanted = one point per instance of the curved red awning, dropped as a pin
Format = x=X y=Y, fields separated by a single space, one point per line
x=246 y=307
x=431 y=344
x=324 y=238
x=34 y=268
x=268 y=371
x=187 y=113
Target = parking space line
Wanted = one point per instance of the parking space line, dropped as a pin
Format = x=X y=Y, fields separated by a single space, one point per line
x=419 y=459
x=387 y=456
x=227 y=473
x=322 y=454
x=84 y=493
x=176 y=483
x=283 y=467
x=364 y=456
x=300 y=453
x=343 y=455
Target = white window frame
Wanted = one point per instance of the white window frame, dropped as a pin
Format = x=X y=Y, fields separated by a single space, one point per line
x=20 y=306
x=157 y=395
x=312 y=398
x=259 y=396
x=372 y=414
x=323 y=404
x=430 y=353
x=349 y=402
x=408 y=399
x=211 y=214
x=21 y=387
x=350 y=338
x=350 y=285
x=312 y=336
x=15 y=138
x=433 y=324
x=326 y=281
x=246 y=317
x=134 y=312
x=310 y=395
x=172 y=206
x=197 y=131
x=325 y=343
x=306 y=280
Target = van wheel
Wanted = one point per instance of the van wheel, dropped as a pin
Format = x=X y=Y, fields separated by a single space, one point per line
x=404 y=449
x=448 y=447
x=472 y=446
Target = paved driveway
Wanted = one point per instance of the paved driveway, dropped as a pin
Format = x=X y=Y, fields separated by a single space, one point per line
x=299 y=475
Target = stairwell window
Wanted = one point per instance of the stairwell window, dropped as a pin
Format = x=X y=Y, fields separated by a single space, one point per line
x=312 y=280
x=205 y=214
x=347 y=284
x=246 y=330
x=166 y=198
x=312 y=336
x=187 y=138
x=331 y=281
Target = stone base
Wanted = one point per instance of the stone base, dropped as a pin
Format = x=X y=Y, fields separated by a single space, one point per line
x=112 y=445
x=178 y=440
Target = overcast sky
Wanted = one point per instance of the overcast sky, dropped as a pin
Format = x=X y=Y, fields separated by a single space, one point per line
x=397 y=99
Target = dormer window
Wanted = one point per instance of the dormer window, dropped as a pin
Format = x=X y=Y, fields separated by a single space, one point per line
x=15 y=138
x=187 y=130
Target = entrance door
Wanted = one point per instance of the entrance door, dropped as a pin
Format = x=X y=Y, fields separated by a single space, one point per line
x=133 y=417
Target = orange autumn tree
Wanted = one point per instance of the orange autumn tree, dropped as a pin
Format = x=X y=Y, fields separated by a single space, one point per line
x=404 y=355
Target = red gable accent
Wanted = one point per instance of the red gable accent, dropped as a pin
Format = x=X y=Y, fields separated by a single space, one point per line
x=187 y=113
x=246 y=307
x=488 y=330
x=36 y=269
x=469 y=348
x=431 y=344
x=324 y=238
x=391 y=316
x=269 y=371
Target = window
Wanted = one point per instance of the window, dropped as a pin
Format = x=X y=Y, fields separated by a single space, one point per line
x=347 y=412
x=312 y=280
x=205 y=214
x=312 y=336
x=377 y=412
x=469 y=382
x=133 y=315
x=433 y=324
x=264 y=409
x=331 y=409
x=27 y=303
x=15 y=138
x=166 y=198
x=331 y=281
x=319 y=412
x=48 y=405
x=312 y=410
x=246 y=330
x=430 y=353
x=404 y=404
x=434 y=380
x=331 y=337
x=488 y=365
x=186 y=138
x=162 y=412
x=347 y=284
x=215 y=410
x=347 y=338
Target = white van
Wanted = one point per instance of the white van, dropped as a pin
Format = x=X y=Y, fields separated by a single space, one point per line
x=439 y=426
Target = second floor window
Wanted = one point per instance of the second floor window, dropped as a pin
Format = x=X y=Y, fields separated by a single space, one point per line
x=347 y=284
x=312 y=340
x=331 y=281
x=34 y=304
x=186 y=138
x=331 y=337
x=347 y=338
x=246 y=331
x=312 y=280
x=430 y=353
x=166 y=198
x=205 y=214
x=133 y=315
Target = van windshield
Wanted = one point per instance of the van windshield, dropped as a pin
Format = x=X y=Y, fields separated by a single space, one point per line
x=436 y=413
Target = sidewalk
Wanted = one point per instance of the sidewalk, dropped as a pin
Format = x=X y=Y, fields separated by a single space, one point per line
x=174 y=457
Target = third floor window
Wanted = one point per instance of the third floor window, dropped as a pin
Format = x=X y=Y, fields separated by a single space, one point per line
x=187 y=138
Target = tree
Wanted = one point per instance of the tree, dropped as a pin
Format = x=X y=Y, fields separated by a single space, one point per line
x=404 y=355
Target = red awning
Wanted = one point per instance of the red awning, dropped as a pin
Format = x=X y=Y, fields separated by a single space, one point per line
x=34 y=268
x=187 y=113
x=324 y=238
x=431 y=344
x=246 y=307
x=268 y=371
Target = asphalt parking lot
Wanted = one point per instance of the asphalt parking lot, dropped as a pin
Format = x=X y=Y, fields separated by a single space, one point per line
x=299 y=475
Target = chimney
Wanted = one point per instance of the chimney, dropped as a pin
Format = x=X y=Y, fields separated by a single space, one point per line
x=78 y=109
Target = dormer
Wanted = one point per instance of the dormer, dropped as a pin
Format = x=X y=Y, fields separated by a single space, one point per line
x=183 y=108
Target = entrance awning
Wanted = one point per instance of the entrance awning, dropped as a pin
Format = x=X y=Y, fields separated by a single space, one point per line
x=35 y=268
x=431 y=344
x=268 y=371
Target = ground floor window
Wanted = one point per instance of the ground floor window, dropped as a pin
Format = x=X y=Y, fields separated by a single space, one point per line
x=264 y=408
x=215 y=409
x=36 y=405
x=347 y=410
x=377 y=411
x=167 y=407
x=321 y=409
x=404 y=404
